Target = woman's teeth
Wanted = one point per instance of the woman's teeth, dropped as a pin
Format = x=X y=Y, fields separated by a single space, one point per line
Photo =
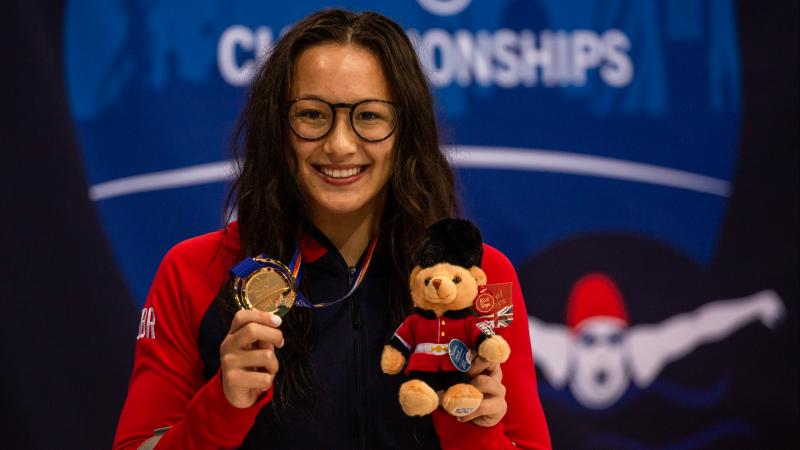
x=341 y=173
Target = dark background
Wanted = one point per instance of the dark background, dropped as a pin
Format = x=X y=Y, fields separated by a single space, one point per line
x=68 y=323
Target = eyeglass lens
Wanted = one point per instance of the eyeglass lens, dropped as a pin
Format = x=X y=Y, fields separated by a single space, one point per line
x=371 y=120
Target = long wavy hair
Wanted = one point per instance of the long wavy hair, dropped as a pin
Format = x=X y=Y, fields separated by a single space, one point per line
x=272 y=211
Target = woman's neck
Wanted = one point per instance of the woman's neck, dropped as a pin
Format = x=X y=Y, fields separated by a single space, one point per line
x=349 y=233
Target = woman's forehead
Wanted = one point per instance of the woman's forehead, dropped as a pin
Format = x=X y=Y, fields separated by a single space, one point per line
x=339 y=73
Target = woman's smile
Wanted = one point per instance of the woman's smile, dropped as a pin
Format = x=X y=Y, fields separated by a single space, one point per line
x=340 y=174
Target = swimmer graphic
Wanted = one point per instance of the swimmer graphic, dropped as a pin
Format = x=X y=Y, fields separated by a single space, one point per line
x=599 y=353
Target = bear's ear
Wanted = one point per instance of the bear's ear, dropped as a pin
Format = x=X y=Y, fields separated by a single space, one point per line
x=413 y=277
x=478 y=274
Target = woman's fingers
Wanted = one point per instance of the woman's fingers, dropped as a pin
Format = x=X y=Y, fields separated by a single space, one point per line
x=255 y=359
x=481 y=365
x=247 y=316
x=259 y=381
x=491 y=411
x=258 y=358
x=489 y=386
x=251 y=333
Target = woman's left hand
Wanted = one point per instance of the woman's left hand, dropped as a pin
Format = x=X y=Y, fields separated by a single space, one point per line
x=488 y=378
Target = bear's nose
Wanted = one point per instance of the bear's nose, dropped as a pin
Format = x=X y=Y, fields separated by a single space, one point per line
x=436 y=283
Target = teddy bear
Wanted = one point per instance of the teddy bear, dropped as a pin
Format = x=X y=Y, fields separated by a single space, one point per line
x=435 y=344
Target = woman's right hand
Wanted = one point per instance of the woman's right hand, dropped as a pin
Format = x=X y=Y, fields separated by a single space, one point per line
x=247 y=356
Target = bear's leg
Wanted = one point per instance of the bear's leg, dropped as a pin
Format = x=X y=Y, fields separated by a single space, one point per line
x=417 y=398
x=461 y=399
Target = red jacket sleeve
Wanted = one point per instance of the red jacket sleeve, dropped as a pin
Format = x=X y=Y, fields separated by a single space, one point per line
x=404 y=336
x=524 y=424
x=167 y=387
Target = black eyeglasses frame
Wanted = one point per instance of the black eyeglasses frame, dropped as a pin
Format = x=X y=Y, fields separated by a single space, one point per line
x=350 y=107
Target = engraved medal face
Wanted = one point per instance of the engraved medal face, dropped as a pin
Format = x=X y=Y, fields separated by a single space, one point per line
x=269 y=290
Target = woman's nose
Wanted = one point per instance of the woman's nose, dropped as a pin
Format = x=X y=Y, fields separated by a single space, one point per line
x=342 y=141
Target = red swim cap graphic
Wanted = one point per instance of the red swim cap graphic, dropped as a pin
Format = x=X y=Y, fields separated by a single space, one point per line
x=595 y=295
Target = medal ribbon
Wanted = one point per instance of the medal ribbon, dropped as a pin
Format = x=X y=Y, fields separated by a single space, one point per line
x=296 y=268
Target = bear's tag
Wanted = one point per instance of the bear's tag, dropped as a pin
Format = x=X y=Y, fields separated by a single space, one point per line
x=463 y=411
x=492 y=298
x=484 y=301
x=460 y=355
x=493 y=304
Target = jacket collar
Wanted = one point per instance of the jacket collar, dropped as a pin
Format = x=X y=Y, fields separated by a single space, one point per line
x=315 y=245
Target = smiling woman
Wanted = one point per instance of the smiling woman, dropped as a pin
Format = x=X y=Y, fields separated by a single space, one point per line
x=340 y=171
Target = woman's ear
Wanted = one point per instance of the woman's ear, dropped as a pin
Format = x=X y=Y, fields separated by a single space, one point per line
x=413 y=277
x=478 y=274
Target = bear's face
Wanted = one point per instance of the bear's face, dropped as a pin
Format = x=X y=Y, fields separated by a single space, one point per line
x=444 y=287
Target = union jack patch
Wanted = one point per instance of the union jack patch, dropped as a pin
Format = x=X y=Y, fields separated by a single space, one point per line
x=501 y=318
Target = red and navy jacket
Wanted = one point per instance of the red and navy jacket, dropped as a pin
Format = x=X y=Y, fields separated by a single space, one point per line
x=176 y=383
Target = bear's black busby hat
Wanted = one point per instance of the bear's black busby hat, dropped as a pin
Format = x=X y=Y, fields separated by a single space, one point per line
x=453 y=241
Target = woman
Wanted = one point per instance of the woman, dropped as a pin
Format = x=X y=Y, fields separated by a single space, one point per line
x=340 y=150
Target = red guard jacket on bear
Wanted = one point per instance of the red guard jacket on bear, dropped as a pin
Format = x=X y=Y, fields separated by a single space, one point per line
x=425 y=337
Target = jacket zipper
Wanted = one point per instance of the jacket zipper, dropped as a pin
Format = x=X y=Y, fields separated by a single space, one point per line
x=356 y=318
x=351 y=275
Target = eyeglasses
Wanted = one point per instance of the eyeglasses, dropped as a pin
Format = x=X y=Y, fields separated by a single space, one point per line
x=371 y=120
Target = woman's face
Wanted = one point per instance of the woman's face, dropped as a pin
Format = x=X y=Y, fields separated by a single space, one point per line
x=341 y=173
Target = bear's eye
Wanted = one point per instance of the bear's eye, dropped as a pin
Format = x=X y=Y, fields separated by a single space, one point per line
x=457 y=280
x=427 y=281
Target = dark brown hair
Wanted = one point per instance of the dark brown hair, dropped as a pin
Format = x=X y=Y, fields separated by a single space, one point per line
x=272 y=212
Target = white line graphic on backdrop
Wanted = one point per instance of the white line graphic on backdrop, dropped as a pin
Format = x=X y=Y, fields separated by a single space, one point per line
x=167 y=179
x=472 y=157
x=444 y=7
x=578 y=164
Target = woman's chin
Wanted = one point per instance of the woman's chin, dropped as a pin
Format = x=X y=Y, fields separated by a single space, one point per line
x=341 y=207
x=347 y=203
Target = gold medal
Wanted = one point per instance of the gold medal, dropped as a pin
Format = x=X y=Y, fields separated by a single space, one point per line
x=270 y=288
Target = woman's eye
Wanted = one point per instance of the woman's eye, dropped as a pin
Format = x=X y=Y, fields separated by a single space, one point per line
x=311 y=114
x=368 y=115
x=457 y=280
x=427 y=281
